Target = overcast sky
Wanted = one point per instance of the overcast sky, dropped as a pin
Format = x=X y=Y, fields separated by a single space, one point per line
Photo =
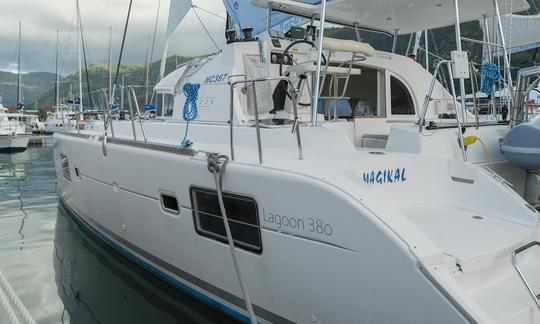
x=41 y=18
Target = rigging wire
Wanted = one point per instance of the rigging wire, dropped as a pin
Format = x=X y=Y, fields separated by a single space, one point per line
x=151 y=57
x=209 y=12
x=90 y=99
x=122 y=47
x=205 y=29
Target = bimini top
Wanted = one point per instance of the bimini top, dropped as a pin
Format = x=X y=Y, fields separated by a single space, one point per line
x=403 y=16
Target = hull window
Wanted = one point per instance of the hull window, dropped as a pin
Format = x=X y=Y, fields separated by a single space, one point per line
x=169 y=203
x=65 y=167
x=242 y=213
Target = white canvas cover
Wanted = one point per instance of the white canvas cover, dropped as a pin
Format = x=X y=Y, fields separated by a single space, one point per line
x=520 y=32
x=405 y=16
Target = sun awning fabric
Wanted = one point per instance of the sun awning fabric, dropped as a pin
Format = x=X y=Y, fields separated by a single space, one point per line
x=403 y=16
x=244 y=14
x=520 y=32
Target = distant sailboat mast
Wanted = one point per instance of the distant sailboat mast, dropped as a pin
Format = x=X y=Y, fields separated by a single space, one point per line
x=19 y=70
x=57 y=90
x=110 y=60
x=80 y=59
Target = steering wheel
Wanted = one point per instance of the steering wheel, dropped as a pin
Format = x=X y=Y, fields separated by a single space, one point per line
x=285 y=54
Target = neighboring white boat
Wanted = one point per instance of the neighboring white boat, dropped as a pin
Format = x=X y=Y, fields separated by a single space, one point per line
x=63 y=118
x=272 y=210
x=14 y=136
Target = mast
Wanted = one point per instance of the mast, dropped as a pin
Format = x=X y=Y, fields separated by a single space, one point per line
x=164 y=60
x=147 y=68
x=57 y=88
x=426 y=45
x=80 y=58
x=154 y=38
x=110 y=60
x=19 y=68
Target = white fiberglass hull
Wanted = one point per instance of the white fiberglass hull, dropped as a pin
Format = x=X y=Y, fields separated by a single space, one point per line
x=326 y=257
x=14 y=143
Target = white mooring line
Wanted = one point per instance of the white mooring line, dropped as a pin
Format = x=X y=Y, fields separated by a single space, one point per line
x=8 y=299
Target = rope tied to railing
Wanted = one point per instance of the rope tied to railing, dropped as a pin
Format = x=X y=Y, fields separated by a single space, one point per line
x=190 y=112
x=490 y=74
x=216 y=165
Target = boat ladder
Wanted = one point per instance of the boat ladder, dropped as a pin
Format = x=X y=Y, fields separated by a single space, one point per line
x=534 y=296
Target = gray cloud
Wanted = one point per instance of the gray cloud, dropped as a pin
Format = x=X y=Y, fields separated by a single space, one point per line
x=40 y=20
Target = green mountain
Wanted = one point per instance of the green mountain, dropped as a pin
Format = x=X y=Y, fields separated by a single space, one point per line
x=98 y=77
x=33 y=85
x=39 y=88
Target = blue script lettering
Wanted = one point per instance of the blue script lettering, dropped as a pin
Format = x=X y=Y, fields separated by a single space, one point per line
x=384 y=176
x=215 y=78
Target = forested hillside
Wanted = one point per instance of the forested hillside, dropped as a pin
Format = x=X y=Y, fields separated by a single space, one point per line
x=39 y=88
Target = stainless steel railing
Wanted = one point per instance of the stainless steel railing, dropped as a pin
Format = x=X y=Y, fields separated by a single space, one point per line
x=234 y=80
x=422 y=119
x=534 y=296
x=134 y=97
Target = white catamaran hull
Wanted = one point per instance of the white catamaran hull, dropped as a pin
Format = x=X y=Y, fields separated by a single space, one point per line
x=14 y=143
x=326 y=257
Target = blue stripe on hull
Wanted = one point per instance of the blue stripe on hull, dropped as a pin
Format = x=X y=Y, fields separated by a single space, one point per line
x=149 y=267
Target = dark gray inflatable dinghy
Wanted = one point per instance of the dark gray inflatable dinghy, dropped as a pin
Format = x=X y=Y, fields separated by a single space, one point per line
x=521 y=145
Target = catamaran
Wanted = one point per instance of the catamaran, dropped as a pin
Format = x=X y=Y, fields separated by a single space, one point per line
x=263 y=199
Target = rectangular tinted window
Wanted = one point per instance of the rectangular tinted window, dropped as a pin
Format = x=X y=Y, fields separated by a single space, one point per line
x=241 y=211
x=65 y=166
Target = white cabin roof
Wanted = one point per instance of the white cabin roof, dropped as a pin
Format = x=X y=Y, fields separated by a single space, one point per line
x=405 y=16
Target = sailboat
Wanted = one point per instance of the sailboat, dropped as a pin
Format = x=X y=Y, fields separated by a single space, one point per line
x=14 y=136
x=68 y=117
x=267 y=203
x=63 y=117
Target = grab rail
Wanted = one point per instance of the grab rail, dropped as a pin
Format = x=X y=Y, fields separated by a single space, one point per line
x=473 y=89
x=132 y=91
x=251 y=82
x=422 y=119
x=514 y=263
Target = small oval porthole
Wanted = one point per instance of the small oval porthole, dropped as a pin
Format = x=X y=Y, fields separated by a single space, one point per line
x=169 y=203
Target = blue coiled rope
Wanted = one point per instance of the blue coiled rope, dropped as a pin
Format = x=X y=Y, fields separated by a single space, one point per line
x=490 y=74
x=190 y=112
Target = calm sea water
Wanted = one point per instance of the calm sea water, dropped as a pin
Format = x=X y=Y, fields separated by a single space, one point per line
x=62 y=273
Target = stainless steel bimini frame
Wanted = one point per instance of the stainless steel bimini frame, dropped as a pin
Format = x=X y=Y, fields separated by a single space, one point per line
x=242 y=79
x=422 y=119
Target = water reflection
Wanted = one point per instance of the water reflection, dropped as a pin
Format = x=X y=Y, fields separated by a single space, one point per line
x=98 y=285
x=62 y=273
